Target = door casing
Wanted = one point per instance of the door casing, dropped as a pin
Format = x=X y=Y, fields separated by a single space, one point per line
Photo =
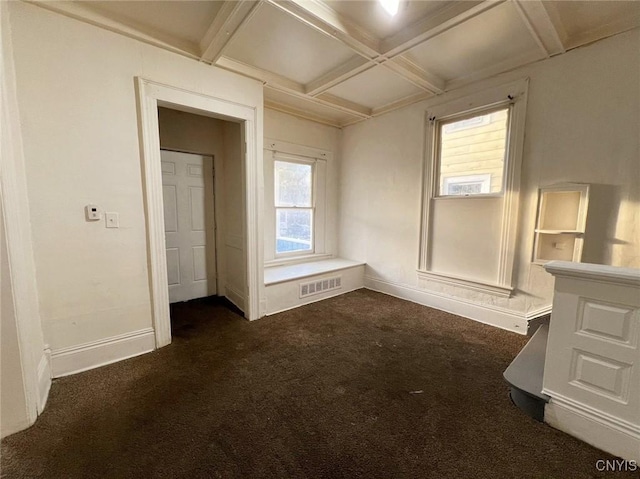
x=150 y=95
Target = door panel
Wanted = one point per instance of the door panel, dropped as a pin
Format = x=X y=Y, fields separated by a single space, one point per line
x=187 y=181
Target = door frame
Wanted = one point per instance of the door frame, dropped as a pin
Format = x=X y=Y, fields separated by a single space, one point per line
x=150 y=95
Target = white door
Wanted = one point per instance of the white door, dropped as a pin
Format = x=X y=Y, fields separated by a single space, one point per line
x=187 y=186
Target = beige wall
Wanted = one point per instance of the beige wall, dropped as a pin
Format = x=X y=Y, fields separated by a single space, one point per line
x=190 y=133
x=581 y=126
x=77 y=98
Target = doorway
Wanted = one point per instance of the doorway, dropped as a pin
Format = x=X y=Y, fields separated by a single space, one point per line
x=246 y=243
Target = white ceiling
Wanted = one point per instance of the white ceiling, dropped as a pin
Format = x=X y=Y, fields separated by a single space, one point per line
x=339 y=62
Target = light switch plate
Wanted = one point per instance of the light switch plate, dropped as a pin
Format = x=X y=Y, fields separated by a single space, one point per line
x=112 y=220
x=92 y=213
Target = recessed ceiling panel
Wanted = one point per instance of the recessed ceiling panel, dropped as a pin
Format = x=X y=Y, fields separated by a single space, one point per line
x=491 y=38
x=307 y=108
x=374 y=88
x=578 y=17
x=373 y=18
x=277 y=42
x=184 y=20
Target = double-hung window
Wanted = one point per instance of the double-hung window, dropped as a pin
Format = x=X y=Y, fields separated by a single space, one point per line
x=294 y=206
x=296 y=199
x=471 y=189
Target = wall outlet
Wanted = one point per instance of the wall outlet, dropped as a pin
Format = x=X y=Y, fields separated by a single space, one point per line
x=112 y=220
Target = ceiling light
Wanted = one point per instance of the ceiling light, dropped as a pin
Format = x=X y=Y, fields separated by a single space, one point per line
x=391 y=6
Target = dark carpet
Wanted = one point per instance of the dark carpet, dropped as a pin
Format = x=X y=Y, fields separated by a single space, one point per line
x=362 y=385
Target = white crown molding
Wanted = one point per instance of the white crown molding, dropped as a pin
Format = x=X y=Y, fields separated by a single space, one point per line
x=272 y=105
x=83 y=12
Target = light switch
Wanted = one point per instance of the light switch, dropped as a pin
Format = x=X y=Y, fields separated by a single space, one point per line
x=112 y=220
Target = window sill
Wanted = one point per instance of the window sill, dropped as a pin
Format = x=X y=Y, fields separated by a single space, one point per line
x=469 y=197
x=290 y=272
x=306 y=258
x=482 y=287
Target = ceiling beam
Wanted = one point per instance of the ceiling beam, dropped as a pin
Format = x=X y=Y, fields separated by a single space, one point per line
x=416 y=75
x=433 y=25
x=268 y=78
x=324 y=19
x=228 y=22
x=542 y=29
x=351 y=67
x=286 y=85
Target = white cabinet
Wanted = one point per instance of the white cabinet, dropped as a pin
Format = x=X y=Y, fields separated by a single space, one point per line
x=592 y=363
x=561 y=221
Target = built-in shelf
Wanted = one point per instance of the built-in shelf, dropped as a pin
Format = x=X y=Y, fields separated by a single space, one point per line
x=561 y=221
x=558 y=232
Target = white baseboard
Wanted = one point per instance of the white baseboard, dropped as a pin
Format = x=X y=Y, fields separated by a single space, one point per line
x=601 y=430
x=44 y=379
x=487 y=314
x=235 y=296
x=537 y=313
x=91 y=355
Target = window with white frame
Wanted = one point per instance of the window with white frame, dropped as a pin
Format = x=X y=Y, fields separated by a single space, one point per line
x=293 y=201
x=472 y=161
x=295 y=192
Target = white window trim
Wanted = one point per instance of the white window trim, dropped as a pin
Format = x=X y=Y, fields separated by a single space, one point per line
x=280 y=150
x=514 y=93
x=302 y=161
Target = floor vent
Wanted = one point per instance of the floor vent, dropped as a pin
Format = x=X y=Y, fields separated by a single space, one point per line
x=320 y=286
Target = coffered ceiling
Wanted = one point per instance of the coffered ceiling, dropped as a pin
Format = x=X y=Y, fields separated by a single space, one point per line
x=341 y=61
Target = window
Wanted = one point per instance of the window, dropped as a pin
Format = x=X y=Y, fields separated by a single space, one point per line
x=470 y=191
x=299 y=216
x=293 y=186
x=471 y=153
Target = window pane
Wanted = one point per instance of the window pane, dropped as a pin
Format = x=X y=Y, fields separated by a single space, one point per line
x=293 y=230
x=292 y=184
x=472 y=153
